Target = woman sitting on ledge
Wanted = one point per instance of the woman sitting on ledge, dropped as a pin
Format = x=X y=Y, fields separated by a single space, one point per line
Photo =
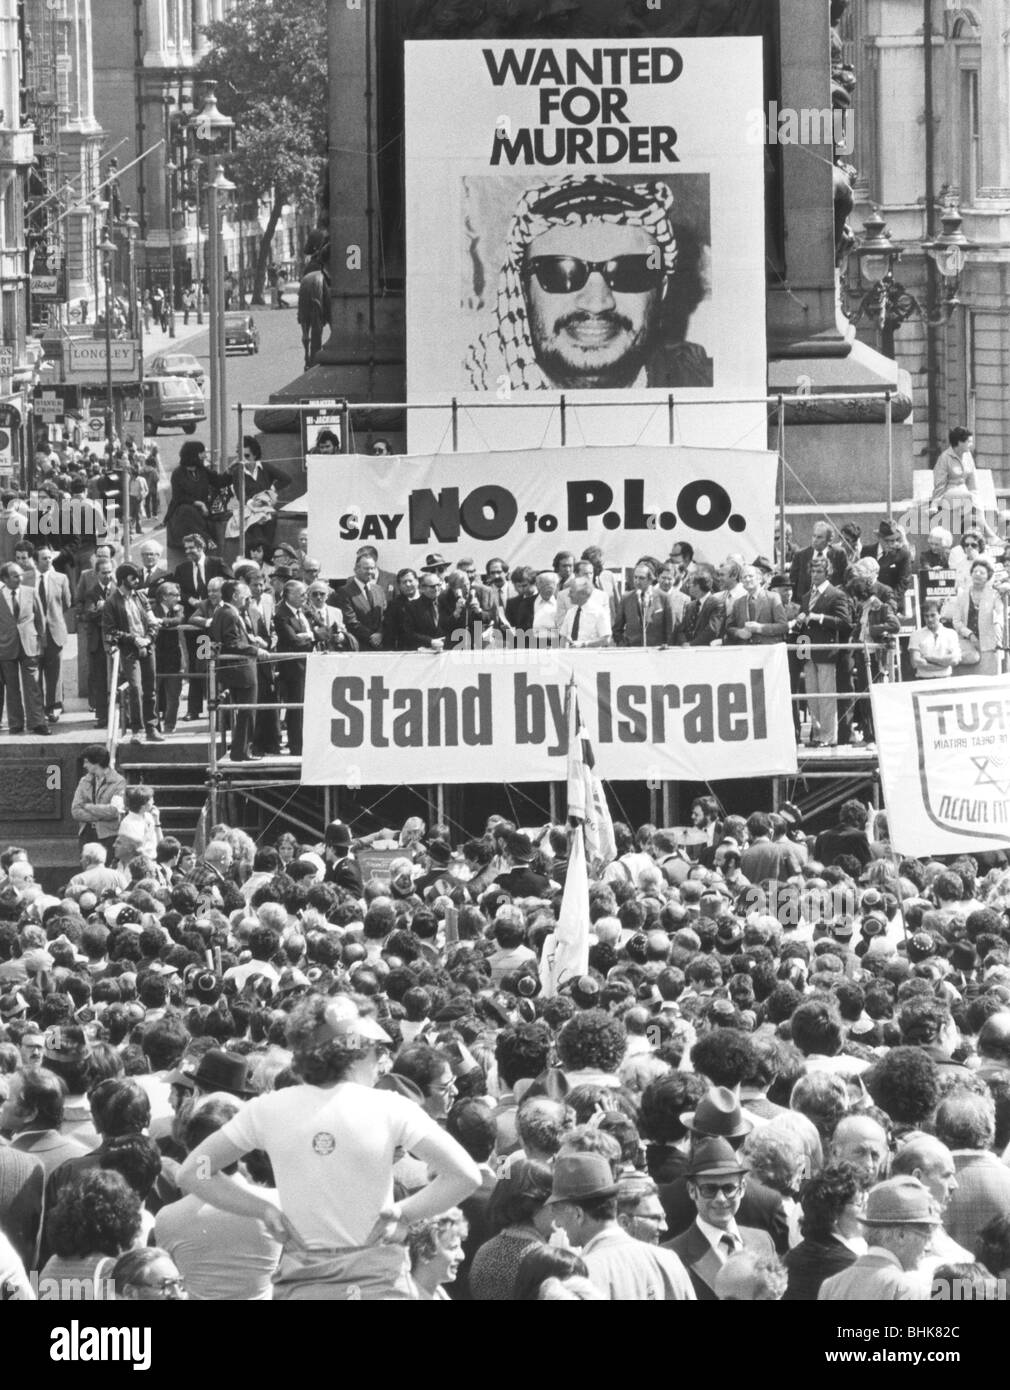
x=955 y=480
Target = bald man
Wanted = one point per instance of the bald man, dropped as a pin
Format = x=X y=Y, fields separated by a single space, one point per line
x=747 y=1277
x=858 y=1139
x=994 y=1045
x=925 y=1158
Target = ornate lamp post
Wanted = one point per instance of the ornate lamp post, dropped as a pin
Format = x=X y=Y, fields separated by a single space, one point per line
x=213 y=130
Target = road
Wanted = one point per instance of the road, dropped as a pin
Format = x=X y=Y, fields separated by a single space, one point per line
x=248 y=379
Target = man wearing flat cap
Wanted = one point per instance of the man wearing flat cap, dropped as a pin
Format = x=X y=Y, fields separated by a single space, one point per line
x=715 y=1182
x=583 y=1203
x=900 y=1220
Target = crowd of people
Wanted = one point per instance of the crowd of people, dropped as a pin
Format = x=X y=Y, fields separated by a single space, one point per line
x=254 y=1072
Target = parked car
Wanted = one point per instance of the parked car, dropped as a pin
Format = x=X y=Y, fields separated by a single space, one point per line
x=172 y=401
x=241 y=333
x=178 y=364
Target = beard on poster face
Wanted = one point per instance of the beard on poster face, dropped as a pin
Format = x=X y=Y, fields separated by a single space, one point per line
x=591 y=350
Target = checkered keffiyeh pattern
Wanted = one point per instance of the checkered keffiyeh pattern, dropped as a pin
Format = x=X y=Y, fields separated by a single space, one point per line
x=506 y=350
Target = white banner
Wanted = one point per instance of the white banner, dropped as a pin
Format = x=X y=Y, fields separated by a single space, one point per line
x=585 y=219
x=526 y=506
x=944 y=748
x=686 y=714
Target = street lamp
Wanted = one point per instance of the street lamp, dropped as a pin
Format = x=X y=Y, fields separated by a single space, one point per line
x=214 y=129
x=886 y=299
x=129 y=226
x=196 y=165
x=107 y=247
x=171 y=169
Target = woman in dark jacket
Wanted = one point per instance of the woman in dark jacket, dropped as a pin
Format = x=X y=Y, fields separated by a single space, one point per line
x=193 y=490
x=832 y=1204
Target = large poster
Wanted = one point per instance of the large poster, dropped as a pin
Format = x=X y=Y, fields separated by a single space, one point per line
x=585 y=226
x=527 y=506
x=944 y=749
x=690 y=714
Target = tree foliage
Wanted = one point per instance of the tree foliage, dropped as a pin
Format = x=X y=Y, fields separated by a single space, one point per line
x=269 y=59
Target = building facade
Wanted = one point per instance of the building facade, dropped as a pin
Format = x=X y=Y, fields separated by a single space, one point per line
x=960 y=367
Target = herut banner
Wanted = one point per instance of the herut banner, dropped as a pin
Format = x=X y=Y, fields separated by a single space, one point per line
x=585 y=221
x=526 y=506
x=944 y=749
x=684 y=714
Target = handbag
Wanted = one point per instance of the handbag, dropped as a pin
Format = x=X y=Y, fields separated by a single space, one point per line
x=970 y=653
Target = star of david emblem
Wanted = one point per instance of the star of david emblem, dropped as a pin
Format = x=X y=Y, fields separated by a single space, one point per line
x=986 y=766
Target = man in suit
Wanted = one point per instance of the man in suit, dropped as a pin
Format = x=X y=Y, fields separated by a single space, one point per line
x=385 y=580
x=519 y=880
x=705 y=615
x=258 y=617
x=363 y=603
x=823 y=546
x=22 y=638
x=756 y=616
x=166 y=605
x=645 y=616
x=152 y=568
x=294 y=634
x=825 y=617
x=606 y=581
x=129 y=624
x=422 y=617
x=519 y=610
x=192 y=577
x=93 y=592
x=53 y=590
x=893 y=557
x=236 y=671
x=715 y=1182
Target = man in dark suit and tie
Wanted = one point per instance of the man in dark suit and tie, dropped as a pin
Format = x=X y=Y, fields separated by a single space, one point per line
x=757 y=616
x=822 y=545
x=363 y=604
x=152 y=570
x=715 y=1181
x=129 y=624
x=645 y=616
x=294 y=634
x=705 y=615
x=236 y=663
x=825 y=617
x=93 y=591
x=53 y=589
x=422 y=617
x=22 y=638
x=893 y=558
x=192 y=576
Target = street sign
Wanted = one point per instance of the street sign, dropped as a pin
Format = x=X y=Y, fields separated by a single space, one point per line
x=49 y=288
x=96 y=427
x=49 y=407
x=84 y=359
x=6 y=360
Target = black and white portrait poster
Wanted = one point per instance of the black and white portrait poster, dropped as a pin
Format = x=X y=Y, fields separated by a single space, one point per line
x=585 y=225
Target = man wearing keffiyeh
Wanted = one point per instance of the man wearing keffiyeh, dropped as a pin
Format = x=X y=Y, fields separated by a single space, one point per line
x=580 y=297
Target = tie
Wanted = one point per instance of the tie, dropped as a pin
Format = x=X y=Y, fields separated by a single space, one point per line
x=576 y=621
x=200 y=586
x=752 y=609
x=641 y=614
x=42 y=591
x=728 y=1245
x=371 y=598
x=16 y=605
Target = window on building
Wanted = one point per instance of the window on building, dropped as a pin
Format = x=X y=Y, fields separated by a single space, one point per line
x=971 y=137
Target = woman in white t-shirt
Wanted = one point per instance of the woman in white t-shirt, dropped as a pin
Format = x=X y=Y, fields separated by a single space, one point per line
x=332 y=1143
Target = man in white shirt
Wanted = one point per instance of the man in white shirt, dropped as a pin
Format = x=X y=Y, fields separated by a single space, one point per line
x=587 y=621
x=934 y=650
x=545 y=608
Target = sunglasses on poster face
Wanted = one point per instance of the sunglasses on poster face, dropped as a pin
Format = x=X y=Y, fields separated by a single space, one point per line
x=623 y=274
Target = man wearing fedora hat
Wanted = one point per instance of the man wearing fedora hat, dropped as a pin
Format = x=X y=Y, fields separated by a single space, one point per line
x=217 y=1070
x=341 y=866
x=583 y=1203
x=519 y=879
x=715 y=1183
x=900 y=1220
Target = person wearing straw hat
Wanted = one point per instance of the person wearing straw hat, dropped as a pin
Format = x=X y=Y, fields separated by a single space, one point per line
x=900 y=1220
x=715 y=1182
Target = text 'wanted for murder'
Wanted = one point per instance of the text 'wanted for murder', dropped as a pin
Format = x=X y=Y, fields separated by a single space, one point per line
x=377 y=715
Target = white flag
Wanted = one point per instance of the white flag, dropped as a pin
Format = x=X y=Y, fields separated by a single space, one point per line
x=566 y=950
x=587 y=802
